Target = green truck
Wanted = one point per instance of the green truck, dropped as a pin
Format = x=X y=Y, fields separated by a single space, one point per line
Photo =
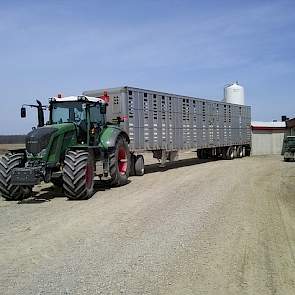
x=289 y=148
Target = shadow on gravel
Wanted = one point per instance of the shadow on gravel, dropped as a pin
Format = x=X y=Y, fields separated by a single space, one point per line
x=33 y=200
x=46 y=194
x=153 y=168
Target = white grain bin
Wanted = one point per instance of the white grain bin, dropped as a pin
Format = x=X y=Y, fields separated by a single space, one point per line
x=234 y=93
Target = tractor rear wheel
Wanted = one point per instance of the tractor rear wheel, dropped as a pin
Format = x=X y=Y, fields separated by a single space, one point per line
x=120 y=163
x=78 y=175
x=7 y=163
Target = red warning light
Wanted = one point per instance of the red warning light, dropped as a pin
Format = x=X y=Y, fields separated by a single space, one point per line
x=124 y=118
x=105 y=97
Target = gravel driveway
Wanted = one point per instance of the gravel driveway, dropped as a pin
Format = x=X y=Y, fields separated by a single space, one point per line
x=217 y=227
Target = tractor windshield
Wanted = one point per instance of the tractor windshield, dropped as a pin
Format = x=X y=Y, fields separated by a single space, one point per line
x=63 y=112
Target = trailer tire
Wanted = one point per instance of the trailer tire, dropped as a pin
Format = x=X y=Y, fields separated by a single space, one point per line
x=139 y=165
x=8 y=191
x=248 y=151
x=239 y=152
x=120 y=163
x=132 y=164
x=244 y=151
x=202 y=154
x=230 y=154
x=78 y=175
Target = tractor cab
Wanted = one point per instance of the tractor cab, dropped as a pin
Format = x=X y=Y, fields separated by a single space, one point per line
x=86 y=113
x=70 y=150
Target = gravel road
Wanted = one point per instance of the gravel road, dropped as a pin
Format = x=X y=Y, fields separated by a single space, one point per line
x=217 y=227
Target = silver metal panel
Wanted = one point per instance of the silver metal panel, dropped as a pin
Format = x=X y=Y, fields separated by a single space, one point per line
x=158 y=120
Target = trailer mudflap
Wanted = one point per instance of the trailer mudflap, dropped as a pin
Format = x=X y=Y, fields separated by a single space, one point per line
x=25 y=176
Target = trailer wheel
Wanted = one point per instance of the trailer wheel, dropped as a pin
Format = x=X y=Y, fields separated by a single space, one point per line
x=78 y=175
x=244 y=151
x=139 y=165
x=132 y=164
x=201 y=154
x=120 y=163
x=8 y=191
x=248 y=151
x=230 y=154
x=240 y=152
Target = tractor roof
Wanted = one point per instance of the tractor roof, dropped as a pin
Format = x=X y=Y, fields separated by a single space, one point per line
x=79 y=98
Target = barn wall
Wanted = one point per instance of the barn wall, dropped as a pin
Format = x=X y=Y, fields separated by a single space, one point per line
x=267 y=142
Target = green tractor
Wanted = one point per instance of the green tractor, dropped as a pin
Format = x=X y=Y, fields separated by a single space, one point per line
x=76 y=145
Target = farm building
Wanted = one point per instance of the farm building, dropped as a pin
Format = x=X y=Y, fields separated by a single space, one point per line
x=291 y=127
x=267 y=137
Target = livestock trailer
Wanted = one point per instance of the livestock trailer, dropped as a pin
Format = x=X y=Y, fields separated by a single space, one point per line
x=165 y=123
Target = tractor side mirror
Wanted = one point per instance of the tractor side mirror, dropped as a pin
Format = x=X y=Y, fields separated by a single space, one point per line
x=103 y=108
x=23 y=112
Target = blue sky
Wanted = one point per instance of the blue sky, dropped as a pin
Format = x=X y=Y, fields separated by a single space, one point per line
x=179 y=46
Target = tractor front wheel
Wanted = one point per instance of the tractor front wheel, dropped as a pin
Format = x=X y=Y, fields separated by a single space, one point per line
x=8 y=191
x=78 y=175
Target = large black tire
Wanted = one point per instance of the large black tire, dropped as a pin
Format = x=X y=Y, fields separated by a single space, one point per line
x=139 y=165
x=120 y=163
x=78 y=175
x=7 y=163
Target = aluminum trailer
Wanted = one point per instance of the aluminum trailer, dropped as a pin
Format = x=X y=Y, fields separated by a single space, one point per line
x=165 y=123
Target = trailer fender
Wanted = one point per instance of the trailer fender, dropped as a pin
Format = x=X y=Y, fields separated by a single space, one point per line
x=109 y=137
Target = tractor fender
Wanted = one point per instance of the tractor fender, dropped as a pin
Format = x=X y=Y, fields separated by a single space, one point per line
x=109 y=136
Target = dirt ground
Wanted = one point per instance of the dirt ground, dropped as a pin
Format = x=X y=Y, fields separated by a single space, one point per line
x=215 y=227
x=5 y=147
